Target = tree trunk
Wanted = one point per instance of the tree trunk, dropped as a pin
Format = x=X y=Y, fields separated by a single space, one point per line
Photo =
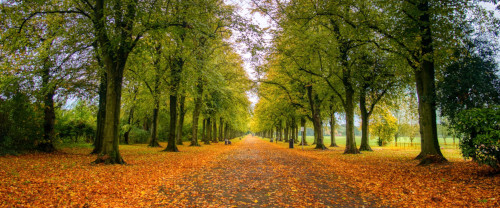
x=350 y=147
x=110 y=153
x=365 y=145
x=333 y=143
x=226 y=131
x=286 y=131
x=115 y=55
x=175 y=82
x=196 y=113
x=182 y=113
x=319 y=133
x=214 y=138
x=271 y=133
x=282 y=131
x=278 y=131
x=171 y=146
x=292 y=130
x=303 y=126
x=209 y=131
x=221 y=127
x=153 y=142
x=101 y=114
x=129 y=121
x=296 y=132
x=316 y=118
x=426 y=91
x=204 y=130
x=47 y=144
x=315 y=132
x=396 y=135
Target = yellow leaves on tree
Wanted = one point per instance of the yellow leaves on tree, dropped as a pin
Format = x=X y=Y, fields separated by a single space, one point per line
x=383 y=125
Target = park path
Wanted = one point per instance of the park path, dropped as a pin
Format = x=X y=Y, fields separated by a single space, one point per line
x=258 y=173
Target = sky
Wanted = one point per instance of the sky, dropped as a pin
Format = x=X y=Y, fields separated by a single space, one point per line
x=263 y=22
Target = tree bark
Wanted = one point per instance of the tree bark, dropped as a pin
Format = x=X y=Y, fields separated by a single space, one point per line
x=196 y=113
x=426 y=91
x=47 y=144
x=350 y=147
x=303 y=125
x=271 y=133
x=278 y=131
x=333 y=143
x=292 y=129
x=396 y=135
x=214 y=138
x=203 y=130
x=110 y=153
x=153 y=142
x=115 y=55
x=208 y=127
x=296 y=132
x=316 y=117
x=365 y=116
x=101 y=114
x=175 y=74
x=182 y=113
x=286 y=131
x=226 y=131
x=145 y=123
x=221 y=126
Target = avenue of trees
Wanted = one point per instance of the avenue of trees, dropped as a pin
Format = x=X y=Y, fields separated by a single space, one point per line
x=394 y=64
x=130 y=71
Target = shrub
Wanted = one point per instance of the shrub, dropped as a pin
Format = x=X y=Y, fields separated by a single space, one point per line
x=136 y=135
x=20 y=124
x=481 y=127
x=77 y=122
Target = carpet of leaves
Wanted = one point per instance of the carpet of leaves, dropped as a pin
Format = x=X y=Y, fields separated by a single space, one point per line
x=259 y=174
x=249 y=173
x=394 y=177
x=68 y=179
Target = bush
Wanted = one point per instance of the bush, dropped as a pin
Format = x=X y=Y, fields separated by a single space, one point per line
x=20 y=124
x=75 y=123
x=481 y=127
x=136 y=135
x=69 y=131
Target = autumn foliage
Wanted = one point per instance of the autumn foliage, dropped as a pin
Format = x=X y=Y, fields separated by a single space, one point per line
x=250 y=173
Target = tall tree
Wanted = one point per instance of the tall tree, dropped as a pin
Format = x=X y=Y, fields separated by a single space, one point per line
x=437 y=24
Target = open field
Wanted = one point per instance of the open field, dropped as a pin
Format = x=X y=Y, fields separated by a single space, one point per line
x=403 y=142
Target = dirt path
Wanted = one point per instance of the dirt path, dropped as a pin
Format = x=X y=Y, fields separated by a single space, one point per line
x=260 y=174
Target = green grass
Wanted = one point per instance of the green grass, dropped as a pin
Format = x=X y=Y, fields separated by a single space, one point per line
x=74 y=145
x=449 y=150
x=403 y=142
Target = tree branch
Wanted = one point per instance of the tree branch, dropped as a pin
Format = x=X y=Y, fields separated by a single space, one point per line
x=51 y=12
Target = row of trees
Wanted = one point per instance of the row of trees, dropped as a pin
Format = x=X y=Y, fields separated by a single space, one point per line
x=352 y=56
x=137 y=57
